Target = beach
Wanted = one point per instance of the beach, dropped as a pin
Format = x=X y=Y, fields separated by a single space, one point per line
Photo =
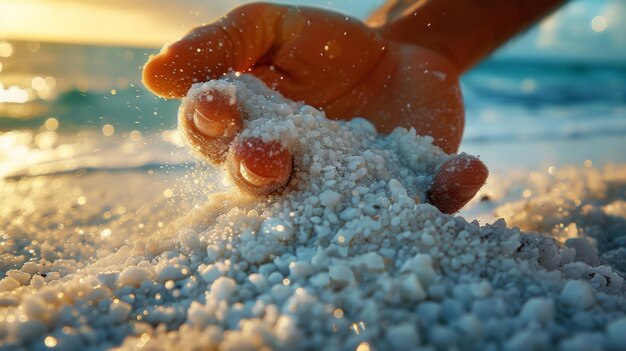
x=129 y=241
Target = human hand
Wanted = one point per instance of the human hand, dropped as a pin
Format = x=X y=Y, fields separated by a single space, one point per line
x=331 y=62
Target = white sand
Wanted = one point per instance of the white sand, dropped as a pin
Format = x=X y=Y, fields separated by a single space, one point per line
x=343 y=259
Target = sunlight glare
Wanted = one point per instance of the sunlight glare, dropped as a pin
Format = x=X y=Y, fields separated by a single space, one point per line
x=13 y=95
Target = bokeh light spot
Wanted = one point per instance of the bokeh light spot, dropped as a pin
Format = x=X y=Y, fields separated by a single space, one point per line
x=135 y=136
x=6 y=49
x=108 y=130
x=51 y=124
x=599 y=24
x=50 y=341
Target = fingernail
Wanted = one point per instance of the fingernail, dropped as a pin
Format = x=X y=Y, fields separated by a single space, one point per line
x=465 y=191
x=207 y=126
x=252 y=177
x=260 y=167
x=457 y=182
x=215 y=116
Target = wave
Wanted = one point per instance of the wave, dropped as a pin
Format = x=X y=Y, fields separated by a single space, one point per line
x=84 y=170
x=126 y=109
x=545 y=83
x=550 y=136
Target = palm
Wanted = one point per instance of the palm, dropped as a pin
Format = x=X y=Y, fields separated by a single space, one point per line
x=410 y=87
x=351 y=70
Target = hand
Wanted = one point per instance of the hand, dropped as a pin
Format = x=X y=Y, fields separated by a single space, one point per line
x=331 y=62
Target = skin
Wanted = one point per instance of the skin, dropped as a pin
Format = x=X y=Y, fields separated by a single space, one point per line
x=403 y=73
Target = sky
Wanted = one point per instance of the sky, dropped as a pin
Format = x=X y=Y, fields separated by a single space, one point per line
x=147 y=23
x=582 y=30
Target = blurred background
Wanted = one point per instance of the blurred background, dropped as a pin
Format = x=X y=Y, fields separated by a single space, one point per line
x=71 y=96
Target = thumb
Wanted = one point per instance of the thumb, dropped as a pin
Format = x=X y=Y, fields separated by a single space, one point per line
x=236 y=42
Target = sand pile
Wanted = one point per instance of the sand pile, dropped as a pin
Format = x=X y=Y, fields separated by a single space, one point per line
x=574 y=206
x=347 y=257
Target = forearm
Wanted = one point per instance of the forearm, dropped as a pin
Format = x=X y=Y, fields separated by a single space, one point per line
x=464 y=30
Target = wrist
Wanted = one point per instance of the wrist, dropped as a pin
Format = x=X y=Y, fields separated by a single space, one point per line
x=464 y=31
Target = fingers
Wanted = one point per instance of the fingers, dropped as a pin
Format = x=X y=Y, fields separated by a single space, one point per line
x=210 y=122
x=306 y=53
x=235 y=43
x=216 y=115
x=259 y=167
x=457 y=181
